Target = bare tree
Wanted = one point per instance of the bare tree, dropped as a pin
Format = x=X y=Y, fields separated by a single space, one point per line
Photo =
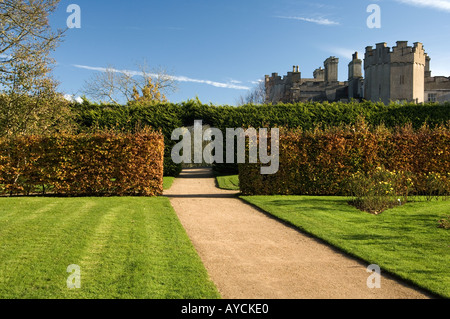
x=28 y=93
x=255 y=96
x=115 y=86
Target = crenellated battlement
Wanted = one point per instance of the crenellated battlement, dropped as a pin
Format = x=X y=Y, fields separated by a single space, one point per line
x=400 y=73
x=401 y=53
x=396 y=74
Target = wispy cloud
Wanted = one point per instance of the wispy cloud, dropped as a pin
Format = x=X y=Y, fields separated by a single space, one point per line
x=435 y=4
x=341 y=52
x=178 y=78
x=320 y=21
x=257 y=81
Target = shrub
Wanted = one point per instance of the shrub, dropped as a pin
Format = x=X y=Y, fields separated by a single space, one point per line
x=85 y=164
x=382 y=189
x=435 y=186
x=170 y=168
x=305 y=116
x=322 y=161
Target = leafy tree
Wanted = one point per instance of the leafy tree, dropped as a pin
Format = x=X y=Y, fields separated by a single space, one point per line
x=29 y=102
x=151 y=93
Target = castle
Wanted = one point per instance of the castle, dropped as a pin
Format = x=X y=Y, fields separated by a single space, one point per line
x=397 y=75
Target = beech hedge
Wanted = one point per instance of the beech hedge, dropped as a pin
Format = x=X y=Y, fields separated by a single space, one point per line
x=323 y=161
x=307 y=116
x=97 y=164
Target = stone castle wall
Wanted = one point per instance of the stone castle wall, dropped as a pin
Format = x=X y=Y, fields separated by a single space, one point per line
x=293 y=88
x=400 y=74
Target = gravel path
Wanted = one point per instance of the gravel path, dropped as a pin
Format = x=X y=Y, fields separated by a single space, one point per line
x=252 y=256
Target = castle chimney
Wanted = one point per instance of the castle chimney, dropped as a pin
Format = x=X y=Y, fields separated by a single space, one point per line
x=427 y=67
x=354 y=77
x=355 y=67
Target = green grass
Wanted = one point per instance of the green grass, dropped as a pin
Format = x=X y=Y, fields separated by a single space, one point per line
x=404 y=241
x=126 y=248
x=228 y=182
x=167 y=182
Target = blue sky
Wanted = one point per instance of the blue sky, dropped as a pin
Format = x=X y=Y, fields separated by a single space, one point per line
x=220 y=48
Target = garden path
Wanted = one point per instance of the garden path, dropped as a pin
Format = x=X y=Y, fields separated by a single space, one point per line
x=250 y=255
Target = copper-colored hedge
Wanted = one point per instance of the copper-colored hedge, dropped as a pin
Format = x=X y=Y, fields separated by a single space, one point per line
x=100 y=164
x=322 y=161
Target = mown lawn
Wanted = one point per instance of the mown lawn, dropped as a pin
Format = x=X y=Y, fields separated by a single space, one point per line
x=125 y=247
x=228 y=182
x=167 y=182
x=405 y=240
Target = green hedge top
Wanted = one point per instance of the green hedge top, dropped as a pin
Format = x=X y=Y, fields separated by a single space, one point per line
x=169 y=116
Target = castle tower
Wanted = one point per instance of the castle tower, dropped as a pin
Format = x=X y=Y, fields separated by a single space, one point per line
x=355 y=78
x=397 y=75
x=331 y=69
x=355 y=67
x=377 y=73
x=274 y=88
x=408 y=72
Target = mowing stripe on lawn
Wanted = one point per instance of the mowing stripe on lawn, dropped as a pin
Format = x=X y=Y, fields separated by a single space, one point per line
x=94 y=252
x=57 y=235
x=126 y=248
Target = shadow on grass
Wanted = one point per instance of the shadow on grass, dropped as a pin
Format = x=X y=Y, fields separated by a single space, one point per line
x=370 y=237
x=217 y=196
x=340 y=206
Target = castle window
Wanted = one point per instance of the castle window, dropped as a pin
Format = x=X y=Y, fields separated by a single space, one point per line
x=432 y=97
x=402 y=79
